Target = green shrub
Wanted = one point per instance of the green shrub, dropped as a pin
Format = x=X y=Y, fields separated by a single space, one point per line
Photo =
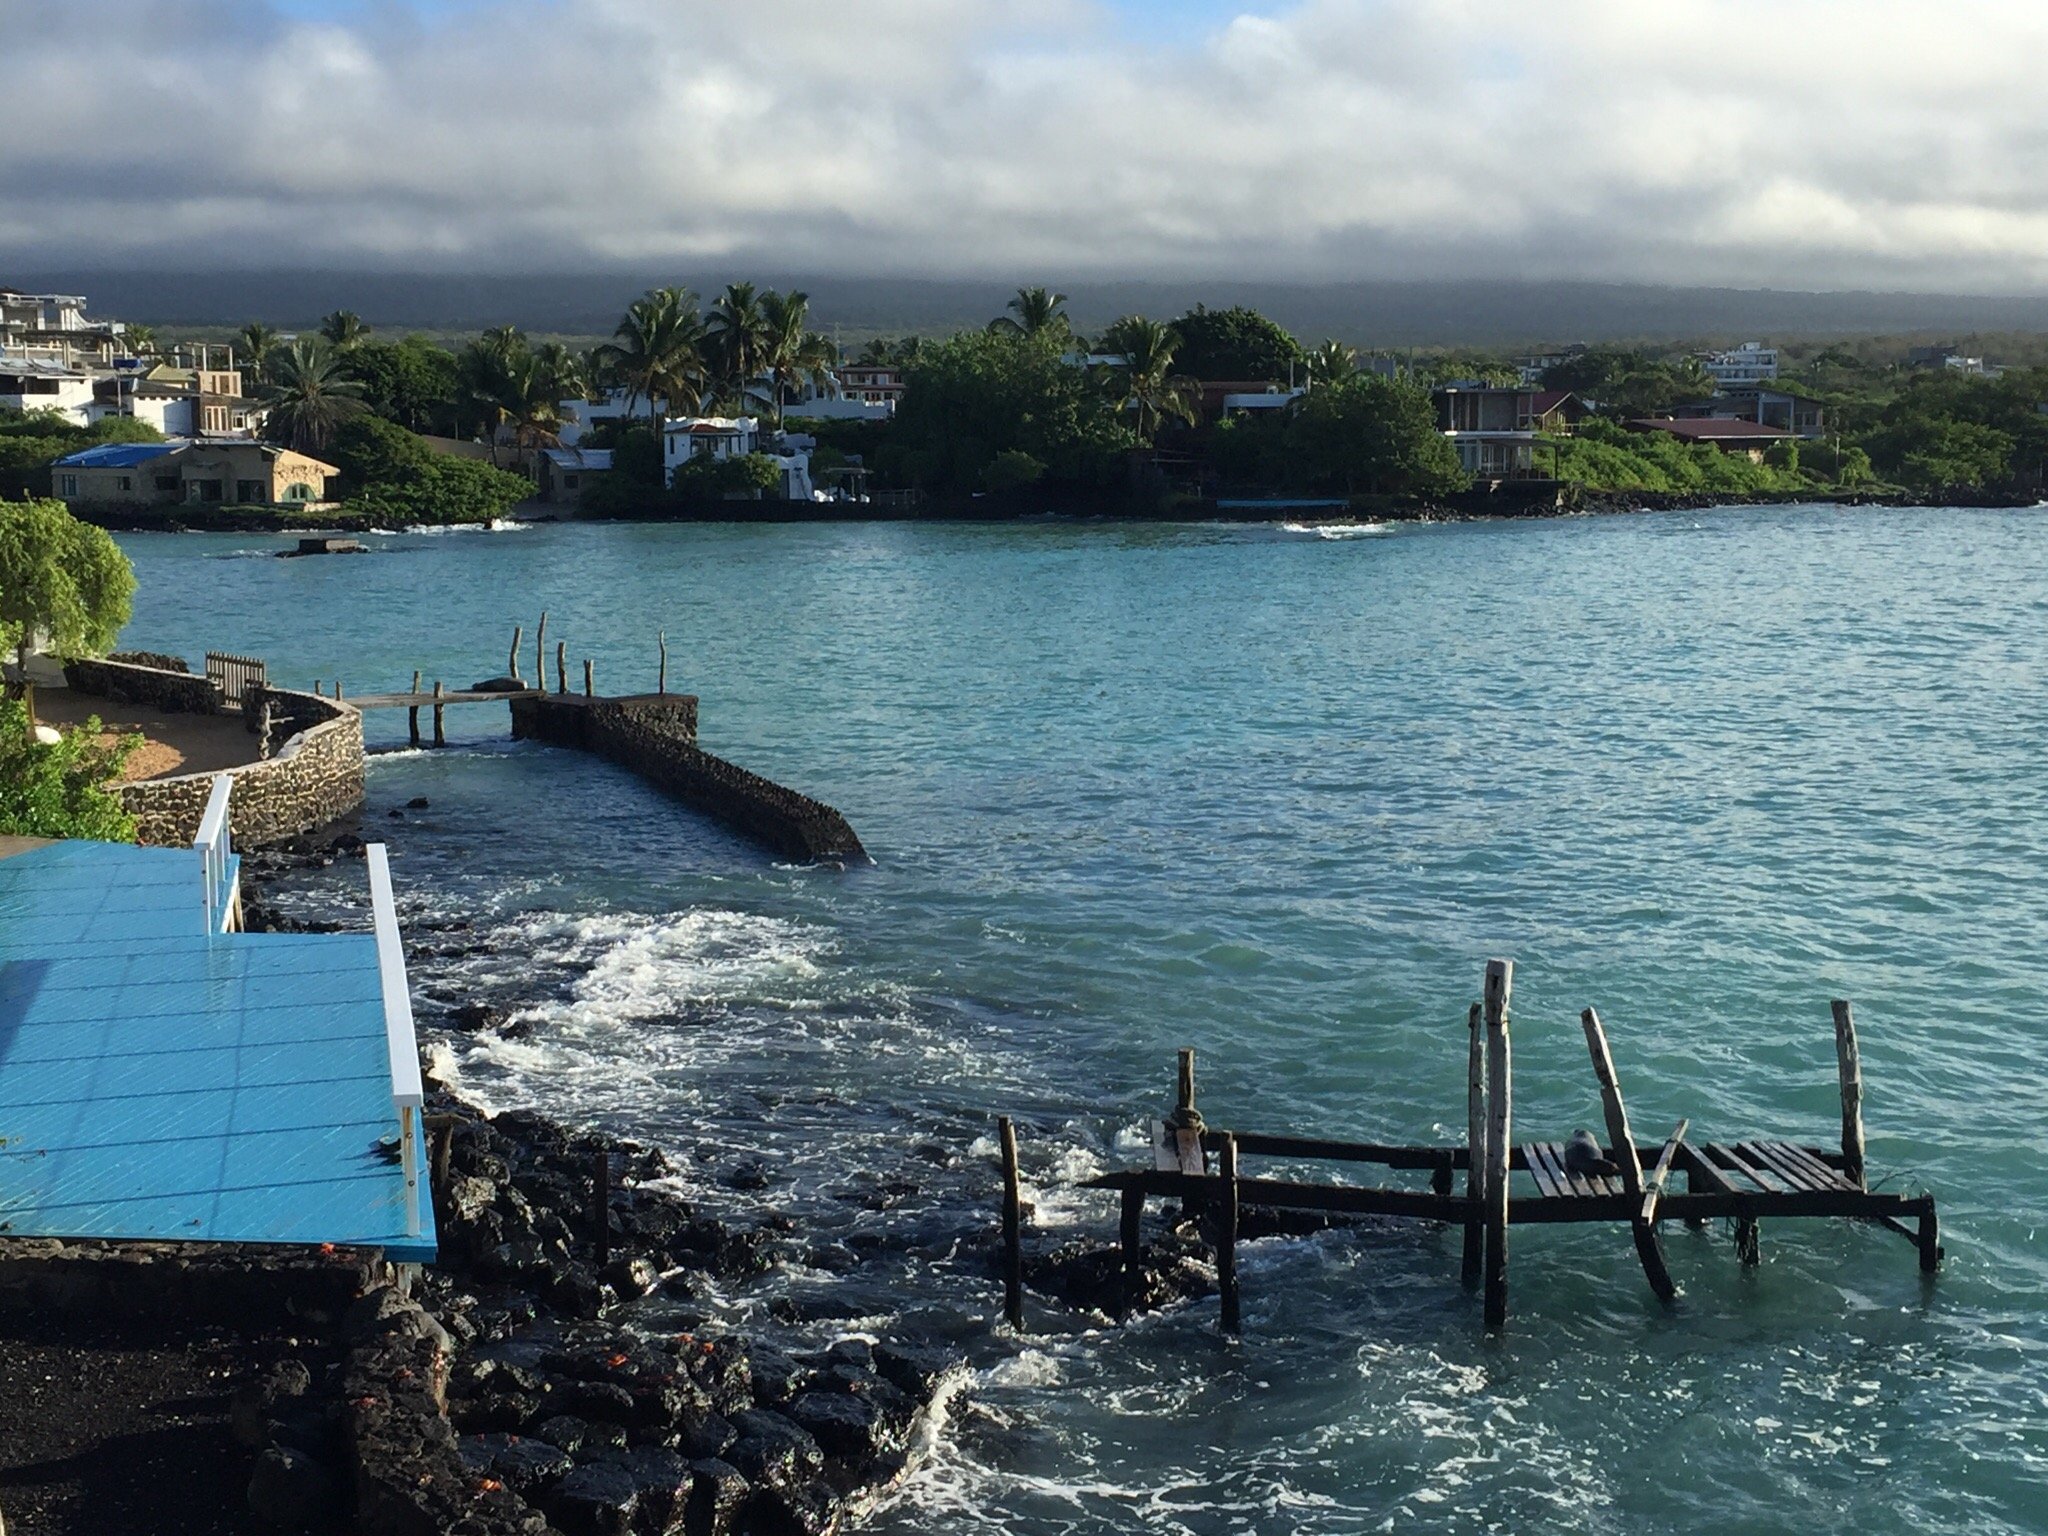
x=707 y=479
x=59 y=789
x=444 y=489
x=1011 y=470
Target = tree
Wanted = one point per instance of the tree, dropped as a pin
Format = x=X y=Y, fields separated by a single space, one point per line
x=1371 y=434
x=58 y=789
x=782 y=341
x=744 y=476
x=657 y=349
x=256 y=341
x=1158 y=392
x=737 y=330
x=62 y=579
x=1237 y=343
x=343 y=329
x=1034 y=312
x=412 y=382
x=1331 y=363
x=485 y=372
x=140 y=339
x=309 y=395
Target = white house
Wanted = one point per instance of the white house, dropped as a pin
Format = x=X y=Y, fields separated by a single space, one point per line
x=579 y=416
x=1750 y=363
x=45 y=384
x=687 y=438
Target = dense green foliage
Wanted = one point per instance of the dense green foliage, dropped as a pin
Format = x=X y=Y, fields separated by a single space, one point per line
x=59 y=789
x=60 y=577
x=1626 y=384
x=31 y=439
x=393 y=478
x=1236 y=343
x=742 y=475
x=979 y=395
x=1604 y=456
x=1374 y=435
x=412 y=382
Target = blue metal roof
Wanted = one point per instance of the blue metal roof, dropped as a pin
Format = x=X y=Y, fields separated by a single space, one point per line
x=160 y=1083
x=116 y=455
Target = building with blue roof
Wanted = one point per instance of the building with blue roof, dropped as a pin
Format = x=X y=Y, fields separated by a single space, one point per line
x=192 y=470
x=164 y=1076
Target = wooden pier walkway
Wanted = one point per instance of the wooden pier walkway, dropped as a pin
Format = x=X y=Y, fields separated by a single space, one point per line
x=1745 y=1181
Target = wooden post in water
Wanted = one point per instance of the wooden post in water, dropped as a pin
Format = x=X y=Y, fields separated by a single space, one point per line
x=1131 y=1231
x=337 y=690
x=1610 y=1104
x=1226 y=1238
x=1500 y=981
x=1930 y=1239
x=1849 y=1061
x=1013 y=1237
x=440 y=735
x=601 y=1206
x=512 y=664
x=1475 y=1140
x=661 y=679
x=1748 y=1243
x=412 y=714
x=588 y=690
x=540 y=653
x=1185 y=1128
x=561 y=668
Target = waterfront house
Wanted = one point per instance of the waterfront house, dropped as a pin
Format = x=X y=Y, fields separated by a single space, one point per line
x=872 y=383
x=195 y=395
x=688 y=438
x=561 y=474
x=1496 y=429
x=1748 y=438
x=1798 y=414
x=194 y=471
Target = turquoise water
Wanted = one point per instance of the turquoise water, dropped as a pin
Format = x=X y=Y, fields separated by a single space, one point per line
x=1278 y=795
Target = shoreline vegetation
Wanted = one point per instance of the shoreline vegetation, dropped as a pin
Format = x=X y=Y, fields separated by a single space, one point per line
x=1027 y=416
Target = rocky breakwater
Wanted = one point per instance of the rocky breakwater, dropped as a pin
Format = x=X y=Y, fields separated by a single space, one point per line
x=655 y=735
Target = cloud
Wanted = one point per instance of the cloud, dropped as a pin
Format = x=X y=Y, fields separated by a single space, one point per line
x=1811 y=144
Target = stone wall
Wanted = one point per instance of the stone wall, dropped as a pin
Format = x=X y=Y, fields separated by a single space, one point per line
x=315 y=777
x=655 y=736
x=175 y=692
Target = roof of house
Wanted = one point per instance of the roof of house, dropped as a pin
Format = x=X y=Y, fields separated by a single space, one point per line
x=1710 y=429
x=1543 y=401
x=116 y=455
x=578 y=458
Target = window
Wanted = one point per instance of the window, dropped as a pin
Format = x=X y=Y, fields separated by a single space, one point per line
x=125 y=483
x=67 y=485
x=568 y=482
x=168 y=483
x=249 y=490
x=298 y=492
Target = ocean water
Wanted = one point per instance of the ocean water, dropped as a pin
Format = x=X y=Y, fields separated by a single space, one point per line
x=1277 y=795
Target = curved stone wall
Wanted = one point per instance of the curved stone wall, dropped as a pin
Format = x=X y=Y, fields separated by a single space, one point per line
x=314 y=777
x=125 y=683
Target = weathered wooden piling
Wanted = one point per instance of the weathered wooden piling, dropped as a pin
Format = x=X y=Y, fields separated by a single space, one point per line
x=512 y=663
x=1131 y=1238
x=1475 y=1142
x=1929 y=1239
x=1643 y=1225
x=540 y=652
x=589 y=688
x=561 y=669
x=661 y=677
x=440 y=734
x=1849 y=1063
x=412 y=714
x=1500 y=980
x=1013 y=1229
x=1226 y=1236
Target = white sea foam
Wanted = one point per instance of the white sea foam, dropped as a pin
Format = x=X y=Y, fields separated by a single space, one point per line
x=1335 y=530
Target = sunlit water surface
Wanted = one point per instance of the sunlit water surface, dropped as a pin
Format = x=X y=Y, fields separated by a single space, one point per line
x=1277 y=795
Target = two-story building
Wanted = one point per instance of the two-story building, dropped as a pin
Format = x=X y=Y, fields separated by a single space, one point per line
x=872 y=383
x=1750 y=363
x=685 y=439
x=1781 y=408
x=1497 y=429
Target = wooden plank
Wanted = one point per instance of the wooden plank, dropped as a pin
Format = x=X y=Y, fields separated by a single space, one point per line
x=1318 y=1149
x=1735 y=1162
x=1576 y=1185
x=1824 y=1176
x=1546 y=1182
x=1131 y=1231
x=1930 y=1240
x=1226 y=1238
x=1500 y=979
x=1701 y=1170
x=1610 y=1104
x=1653 y=1190
x=1849 y=1065
x=1765 y=1154
x=1471 y=1260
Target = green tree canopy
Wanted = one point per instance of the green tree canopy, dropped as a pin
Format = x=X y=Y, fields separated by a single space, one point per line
x=1374 y=435
x=60 y=577
x=1236 y=343
x=59 y=789
x=412 y=382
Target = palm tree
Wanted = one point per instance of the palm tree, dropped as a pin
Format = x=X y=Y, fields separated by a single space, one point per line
x=256 y=341
x=309 y=395
x=561 y=371
x=1034 y=312
x=484 y=372
x=531 y=399
x=878 y=351
x=1331 y=362
x=782 y=341
x=141 y=340
x=907 y=351
x=738 y=331
x=657 y=351
x=1157 y=393
x=344 y=328
x=817 y=355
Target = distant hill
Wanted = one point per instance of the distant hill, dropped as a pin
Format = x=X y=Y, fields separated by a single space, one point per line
x=1370 y=314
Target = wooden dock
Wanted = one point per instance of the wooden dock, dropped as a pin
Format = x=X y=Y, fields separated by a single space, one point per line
x=1744 y=1180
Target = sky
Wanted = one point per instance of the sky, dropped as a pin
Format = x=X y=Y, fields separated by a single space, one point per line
x=1790 y=144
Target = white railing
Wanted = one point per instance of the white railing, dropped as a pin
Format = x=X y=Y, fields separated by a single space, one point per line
x=215 y=893
x=407 y=1096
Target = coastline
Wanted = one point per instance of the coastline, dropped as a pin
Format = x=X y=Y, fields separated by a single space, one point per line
x=1469 y=506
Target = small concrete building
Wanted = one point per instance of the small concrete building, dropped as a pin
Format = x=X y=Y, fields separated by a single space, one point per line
x=194 y=471
x=561 y=474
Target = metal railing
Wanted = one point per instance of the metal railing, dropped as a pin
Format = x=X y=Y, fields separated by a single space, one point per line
x=216 y=892
x=402 y=1044
x=233 y=674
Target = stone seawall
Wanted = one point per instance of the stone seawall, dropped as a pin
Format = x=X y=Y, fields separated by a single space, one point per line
x=175 y=692
x=655 y=735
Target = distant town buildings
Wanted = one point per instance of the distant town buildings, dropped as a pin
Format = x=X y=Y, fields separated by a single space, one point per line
x=1750 y=363
x=194 y=471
